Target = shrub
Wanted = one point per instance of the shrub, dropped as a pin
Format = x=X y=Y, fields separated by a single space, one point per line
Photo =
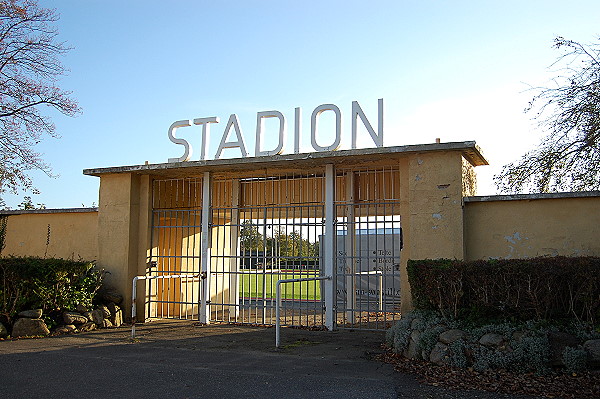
x=525 y=348
x=545 y=288
x=46 y=283
x=574 y=359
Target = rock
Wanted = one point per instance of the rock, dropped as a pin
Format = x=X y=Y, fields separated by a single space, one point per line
x=439 y=354
x=411 y=351
x=117 y=318
x=106 y=323
x=450 y=336
x=112 y=296
x=492 y=340
x=87 y=327
x=415 y=323
x=593 y=348
x=105 y=311
x=31 y=314
x=558 y=340
x=518 y=335
x=74 y=318
x=66 y=329
x=3 y=331
x=98 y=317
x=81 y=309
x=29 y=327
x=88 y=316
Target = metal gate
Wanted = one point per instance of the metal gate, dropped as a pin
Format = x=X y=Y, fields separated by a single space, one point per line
x=271 y=227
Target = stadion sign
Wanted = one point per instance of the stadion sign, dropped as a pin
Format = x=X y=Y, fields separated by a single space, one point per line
x=233 y=126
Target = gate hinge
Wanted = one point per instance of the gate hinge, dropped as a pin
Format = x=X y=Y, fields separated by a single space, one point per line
x=203 y=275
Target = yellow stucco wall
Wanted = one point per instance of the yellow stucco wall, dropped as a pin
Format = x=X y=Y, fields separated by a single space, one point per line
x=73 y=235
x=535 y=227
x=431 y=210
x=124 y=230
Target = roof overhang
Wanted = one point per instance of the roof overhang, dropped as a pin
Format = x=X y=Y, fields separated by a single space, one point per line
x=469 y=150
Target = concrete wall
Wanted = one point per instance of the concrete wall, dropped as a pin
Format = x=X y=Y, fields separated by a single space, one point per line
x=66 y=233
x=431 y=210
x=124 y=215
x=523 y=226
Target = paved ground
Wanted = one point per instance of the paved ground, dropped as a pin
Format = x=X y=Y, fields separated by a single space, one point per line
x=181 y=360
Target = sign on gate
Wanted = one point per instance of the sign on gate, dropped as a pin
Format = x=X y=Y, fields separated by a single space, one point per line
x=368 y=268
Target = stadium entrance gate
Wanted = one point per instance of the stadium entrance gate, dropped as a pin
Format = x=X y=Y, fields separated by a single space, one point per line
x=232 y=238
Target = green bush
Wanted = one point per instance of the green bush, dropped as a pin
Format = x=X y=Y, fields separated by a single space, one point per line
x=574 y=359
x=49 y=284
x=545 y=288
x=526 y=346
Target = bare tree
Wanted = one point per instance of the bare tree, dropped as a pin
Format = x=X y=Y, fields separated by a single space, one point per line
x=568 y=157
x=29 y=68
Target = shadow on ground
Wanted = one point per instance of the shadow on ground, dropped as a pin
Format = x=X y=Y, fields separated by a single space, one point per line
x=183 y=360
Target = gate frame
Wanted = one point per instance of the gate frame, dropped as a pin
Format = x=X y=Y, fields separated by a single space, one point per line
x=434 y=179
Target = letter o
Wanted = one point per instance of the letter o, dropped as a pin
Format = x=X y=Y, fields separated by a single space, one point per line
x=314 y=128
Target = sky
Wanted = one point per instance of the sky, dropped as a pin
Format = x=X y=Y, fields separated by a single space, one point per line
x=454 y=70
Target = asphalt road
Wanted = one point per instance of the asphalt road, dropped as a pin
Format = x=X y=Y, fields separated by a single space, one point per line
x=182 y=360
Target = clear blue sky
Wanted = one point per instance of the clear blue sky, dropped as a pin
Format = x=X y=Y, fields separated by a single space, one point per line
x=455 y=70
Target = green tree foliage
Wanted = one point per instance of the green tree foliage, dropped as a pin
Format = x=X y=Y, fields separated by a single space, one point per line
x=568 y=157
x=27 y=204
x=250 y=238
x=280 y=244
x=29 y=69
x=46 y=283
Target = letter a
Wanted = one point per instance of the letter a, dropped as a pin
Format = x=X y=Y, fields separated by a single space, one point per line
x=233 y=121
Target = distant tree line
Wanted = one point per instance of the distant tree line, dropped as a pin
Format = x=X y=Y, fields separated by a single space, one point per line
x=280 y=244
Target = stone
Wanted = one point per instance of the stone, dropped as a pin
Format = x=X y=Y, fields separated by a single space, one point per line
x=593 y=348
x=112 y=296
x=31 y=314
x=87 y=327
x=3 y=331
x=117 y=318
x=413 y=342
x=558 y=341
x=105 y=311
x=74 y=318
x=415 y=323
x=492 y=340
x=112 y=308
x=26 y=327
x=88 y=316
x=518 y=335
x=450 y=336
x=66 y=329
x=98 y=317
x=81 y=309
x=106 y=323
x=439 y=354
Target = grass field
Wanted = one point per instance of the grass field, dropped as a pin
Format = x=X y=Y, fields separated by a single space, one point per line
x=252 y=285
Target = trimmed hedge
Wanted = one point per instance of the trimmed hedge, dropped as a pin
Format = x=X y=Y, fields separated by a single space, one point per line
x=46 y=283
x=544 y=288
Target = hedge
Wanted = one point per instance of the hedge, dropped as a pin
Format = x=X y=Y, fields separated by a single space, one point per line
x=46 y=283
x=543 y=288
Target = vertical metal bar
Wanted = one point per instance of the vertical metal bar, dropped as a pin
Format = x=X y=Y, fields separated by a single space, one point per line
x=329 y=245
x=234 y=263
x=350 y=249
x=205 y=233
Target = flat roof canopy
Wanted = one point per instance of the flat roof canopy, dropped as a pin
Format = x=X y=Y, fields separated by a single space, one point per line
x=469 y=150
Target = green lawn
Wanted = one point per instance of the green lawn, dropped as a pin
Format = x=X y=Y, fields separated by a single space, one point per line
x=251 y=285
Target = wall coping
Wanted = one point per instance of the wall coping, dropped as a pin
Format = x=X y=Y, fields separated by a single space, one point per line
x=469 y=149
x=535 y=196
x=48 y=211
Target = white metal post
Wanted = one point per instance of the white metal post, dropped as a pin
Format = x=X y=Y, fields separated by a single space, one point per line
x=329 y=255
x=350 y=249
x=234 y=251
x=206 y=245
